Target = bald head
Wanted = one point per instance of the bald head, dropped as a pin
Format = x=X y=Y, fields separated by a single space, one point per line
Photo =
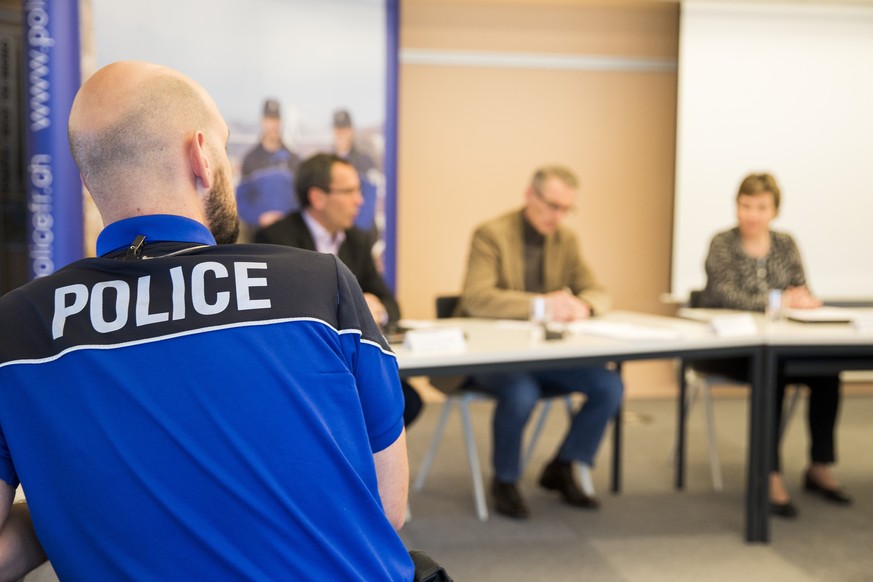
x=147 y=140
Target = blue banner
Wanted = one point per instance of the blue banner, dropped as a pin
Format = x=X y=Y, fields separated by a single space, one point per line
x=392 y=66
x=52 y=77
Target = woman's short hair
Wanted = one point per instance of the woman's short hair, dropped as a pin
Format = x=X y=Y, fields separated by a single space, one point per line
x=755 y=184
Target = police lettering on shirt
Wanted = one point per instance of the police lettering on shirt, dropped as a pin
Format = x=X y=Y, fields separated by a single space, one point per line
x=207 y=293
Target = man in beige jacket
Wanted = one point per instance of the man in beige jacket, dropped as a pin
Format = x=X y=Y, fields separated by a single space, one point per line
x=515 y=258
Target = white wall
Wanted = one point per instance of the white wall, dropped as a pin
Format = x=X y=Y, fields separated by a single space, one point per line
x=785 y=88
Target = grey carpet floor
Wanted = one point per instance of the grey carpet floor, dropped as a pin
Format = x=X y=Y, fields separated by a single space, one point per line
x=649 y=531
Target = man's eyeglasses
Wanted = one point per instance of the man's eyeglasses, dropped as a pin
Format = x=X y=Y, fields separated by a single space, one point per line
x=345 y=191
x=556 y=208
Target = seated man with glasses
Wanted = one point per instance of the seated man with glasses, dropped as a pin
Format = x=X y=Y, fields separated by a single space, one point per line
x=329 y=192
x=515 y=258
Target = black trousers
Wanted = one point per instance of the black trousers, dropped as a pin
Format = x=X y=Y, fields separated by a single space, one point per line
x=413 y=403
x=822 y=408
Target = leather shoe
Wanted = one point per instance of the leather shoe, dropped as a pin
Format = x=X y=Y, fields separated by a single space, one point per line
x=558 y=476
x=837 y=495
x=508 y=500
x=787 y=510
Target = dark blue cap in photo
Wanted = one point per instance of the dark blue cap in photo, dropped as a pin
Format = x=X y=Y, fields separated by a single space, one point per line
x=271 y=108
x=342 y=118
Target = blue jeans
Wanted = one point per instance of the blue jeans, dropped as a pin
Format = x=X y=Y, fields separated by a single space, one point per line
x=517 y=395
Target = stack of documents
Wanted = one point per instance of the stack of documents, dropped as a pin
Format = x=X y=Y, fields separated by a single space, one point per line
x=820 y=315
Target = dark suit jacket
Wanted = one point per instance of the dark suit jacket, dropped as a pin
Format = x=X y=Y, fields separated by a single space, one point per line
x=292 y=231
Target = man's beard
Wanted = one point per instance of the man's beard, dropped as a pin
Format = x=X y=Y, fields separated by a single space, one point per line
x=221 y=210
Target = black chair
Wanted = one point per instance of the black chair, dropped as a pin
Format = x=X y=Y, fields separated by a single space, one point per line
x=447 y=305
x=427 y=569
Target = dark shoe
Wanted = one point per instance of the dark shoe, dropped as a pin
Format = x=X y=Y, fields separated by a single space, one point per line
x=558 y=476
x=508 y=500
x=787 y=510
x=837 y=495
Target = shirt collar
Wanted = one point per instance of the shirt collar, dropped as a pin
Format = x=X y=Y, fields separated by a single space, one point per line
x=156 y=228
x=531 y=235
x=324 y=241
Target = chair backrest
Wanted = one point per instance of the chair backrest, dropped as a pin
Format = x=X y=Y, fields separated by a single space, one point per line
x=446 y=305
x=694 y=298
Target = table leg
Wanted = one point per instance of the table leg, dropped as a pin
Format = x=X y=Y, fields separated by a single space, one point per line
x=615 y=486
x=616 y=444
x=763 y=376
x=680 y=427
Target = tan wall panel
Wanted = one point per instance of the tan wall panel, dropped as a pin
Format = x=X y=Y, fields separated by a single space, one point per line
x=647 y=29
x=470 y=139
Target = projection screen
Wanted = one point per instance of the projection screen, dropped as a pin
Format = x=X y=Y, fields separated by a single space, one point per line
x=786 y=88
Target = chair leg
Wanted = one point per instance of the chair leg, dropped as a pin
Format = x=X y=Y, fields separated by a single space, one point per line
x=545 y=408
x=698 y=384
x=473 y=456
x=571 y=408
x=714 y=461
x=450 y=402
x=692 y=383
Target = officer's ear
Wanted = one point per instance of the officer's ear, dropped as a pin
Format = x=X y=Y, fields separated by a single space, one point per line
x=200 y=164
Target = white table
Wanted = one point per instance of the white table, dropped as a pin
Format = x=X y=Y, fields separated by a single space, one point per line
x=502 y=345
x=507 y=346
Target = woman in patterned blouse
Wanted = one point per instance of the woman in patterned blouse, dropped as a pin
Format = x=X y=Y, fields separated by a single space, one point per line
x=743 y=265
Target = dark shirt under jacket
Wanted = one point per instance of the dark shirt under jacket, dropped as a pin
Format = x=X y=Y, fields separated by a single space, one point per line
x=355 y=252
x=534 y=249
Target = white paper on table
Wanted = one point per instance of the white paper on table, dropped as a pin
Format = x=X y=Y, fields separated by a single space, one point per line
x=513 y=324
x=623 y=330
x=863 y=322
x=416 y=323
x=435 y=339
x=734 y=325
